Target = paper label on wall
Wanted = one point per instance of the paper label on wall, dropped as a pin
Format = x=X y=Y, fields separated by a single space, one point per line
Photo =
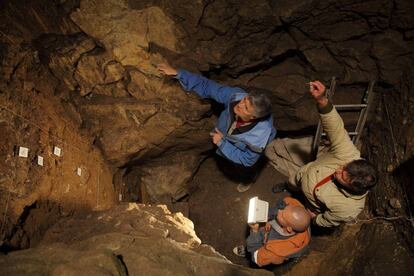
x=79 y=171
x=23 y=152
x=57 y=151
x=40 y=160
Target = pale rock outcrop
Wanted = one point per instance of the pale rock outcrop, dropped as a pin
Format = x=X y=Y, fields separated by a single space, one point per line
x=130 y=239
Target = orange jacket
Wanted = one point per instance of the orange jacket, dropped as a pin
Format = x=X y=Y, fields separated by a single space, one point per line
x=276 y=251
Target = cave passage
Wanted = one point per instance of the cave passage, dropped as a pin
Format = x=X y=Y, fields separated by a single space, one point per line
x=104 y=160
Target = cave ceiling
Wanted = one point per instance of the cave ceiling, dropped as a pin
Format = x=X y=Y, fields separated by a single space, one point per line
x=83 y=72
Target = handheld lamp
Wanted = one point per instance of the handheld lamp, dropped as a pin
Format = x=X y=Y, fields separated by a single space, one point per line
x=258 y=210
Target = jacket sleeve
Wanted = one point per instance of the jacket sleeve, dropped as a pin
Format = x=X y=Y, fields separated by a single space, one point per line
x=254 y=241
x=259 y=254
x=206 y=88
x=327 y=219
x=240 y=154
x=341 y=144
x=265 y=257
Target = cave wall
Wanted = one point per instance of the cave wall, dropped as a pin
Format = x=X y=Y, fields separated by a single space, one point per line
x=61 y=87
x=32 y=116
x=83 y=72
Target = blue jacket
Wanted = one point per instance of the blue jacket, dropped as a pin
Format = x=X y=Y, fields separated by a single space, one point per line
x=244 y=147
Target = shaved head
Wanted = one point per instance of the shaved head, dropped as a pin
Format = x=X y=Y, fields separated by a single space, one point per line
x=297 y=218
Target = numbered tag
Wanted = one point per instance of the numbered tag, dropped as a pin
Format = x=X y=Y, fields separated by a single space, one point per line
x=40 y=160
x=23 y=152
x=57 y=151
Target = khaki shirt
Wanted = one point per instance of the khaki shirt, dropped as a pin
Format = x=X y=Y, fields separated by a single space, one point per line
x=336 y=204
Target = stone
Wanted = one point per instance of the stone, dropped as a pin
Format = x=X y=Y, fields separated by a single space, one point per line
x=395 y=203
x=130 y=239
x=116 y=90
x=125 y=32
x=144 y=87
x=402 y=17
x=321 y=59
x=354 y=54
x=93 y=70
x=169 y=175
x=87 y=76
x=390 y=168
x=63 y=60
x=392 y=54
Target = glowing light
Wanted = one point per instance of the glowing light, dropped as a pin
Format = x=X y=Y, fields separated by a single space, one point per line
x=252 y=209
x=258 y=210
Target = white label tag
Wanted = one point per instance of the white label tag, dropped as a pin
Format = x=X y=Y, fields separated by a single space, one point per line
x=79 y=171
x=57 y=151
x=120 y=197
x=40 y=160
x=23 y=152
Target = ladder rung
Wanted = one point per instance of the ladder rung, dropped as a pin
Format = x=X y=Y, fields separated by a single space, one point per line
x=352 y=133
x=350 y=106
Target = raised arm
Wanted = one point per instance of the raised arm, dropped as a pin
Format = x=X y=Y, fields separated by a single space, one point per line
x=341 y=144
x=204 y=87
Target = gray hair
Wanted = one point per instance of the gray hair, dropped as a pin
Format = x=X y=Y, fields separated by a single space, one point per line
x=262 y=106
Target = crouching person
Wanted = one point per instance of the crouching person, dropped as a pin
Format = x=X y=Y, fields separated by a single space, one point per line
x=285 y=236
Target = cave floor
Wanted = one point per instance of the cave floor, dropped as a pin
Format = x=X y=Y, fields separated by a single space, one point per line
x=219 y=214
x=219 y=211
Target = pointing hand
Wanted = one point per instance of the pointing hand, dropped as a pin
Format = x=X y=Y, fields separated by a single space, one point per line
x=167 y=69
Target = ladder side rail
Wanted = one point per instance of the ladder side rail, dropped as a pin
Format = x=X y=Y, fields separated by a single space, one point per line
x=350 y=107
x=352 y=133
x=316 y=140
x=364 y=113
x=331 y=91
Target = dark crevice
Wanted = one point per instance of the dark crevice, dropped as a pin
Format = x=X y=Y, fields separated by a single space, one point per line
x=122 y=268
x=33 y=223
x=270 y=62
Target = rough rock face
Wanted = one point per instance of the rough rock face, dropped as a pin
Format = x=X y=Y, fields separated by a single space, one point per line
x=32 y=117
x=135 y=115
x=127 y=240
x=131 y=110
x=80 y=74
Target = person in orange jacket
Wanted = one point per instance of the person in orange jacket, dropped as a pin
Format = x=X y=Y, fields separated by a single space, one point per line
x=286 y=234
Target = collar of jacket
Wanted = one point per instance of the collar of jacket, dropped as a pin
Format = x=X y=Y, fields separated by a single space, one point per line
x=348 y=194
x=279 y=228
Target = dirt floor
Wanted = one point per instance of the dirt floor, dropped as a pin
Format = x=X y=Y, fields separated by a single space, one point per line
x=219 y=211
x=219 y=214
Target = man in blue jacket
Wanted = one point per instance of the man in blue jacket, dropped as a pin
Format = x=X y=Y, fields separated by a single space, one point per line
x=243 y=129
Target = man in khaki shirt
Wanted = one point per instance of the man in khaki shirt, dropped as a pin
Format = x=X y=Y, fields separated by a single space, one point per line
x=337 y=182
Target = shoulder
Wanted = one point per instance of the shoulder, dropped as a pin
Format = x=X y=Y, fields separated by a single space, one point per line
x=237 y=93
x=339 y=203
x=290 y=245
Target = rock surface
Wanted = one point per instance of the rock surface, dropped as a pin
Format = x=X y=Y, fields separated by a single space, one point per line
x=31 y=116
x=81 y=74
x=129 y=239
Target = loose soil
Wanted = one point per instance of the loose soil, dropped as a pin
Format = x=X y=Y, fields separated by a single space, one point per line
x=219 y=211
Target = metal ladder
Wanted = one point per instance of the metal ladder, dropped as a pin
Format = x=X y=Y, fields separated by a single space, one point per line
x=362 y=108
